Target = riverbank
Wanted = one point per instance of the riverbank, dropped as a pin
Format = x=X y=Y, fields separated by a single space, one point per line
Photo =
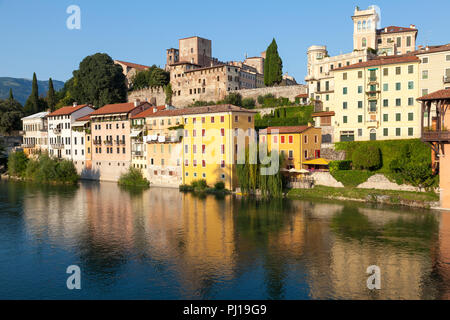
x=405 y=198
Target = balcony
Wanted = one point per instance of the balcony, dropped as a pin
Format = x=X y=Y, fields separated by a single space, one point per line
x=57 y=146
x=57 y=131
x=122 y=142
x=96 y=142
x=28 y=145
x=108 y=142
x=446 y=79
x=435 y=136
x=137 y=153
x=373 y=80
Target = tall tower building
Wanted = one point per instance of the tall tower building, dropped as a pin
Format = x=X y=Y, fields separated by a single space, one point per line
x=365 y=24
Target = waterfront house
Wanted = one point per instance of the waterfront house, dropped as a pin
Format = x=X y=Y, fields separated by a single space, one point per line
x=435 y=121
x=35 y=137
x=82 y=146
x=60 y=129
x=111 y=142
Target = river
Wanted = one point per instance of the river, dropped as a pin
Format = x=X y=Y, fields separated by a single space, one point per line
x=163 y=244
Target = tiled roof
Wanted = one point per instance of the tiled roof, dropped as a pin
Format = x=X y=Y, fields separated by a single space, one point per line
x=64 y=111
x=133 y=65
x=323 y=114
x=395 y=29
x=380 y=61
x=149 y=111
x=201 y=110
x=431 y=49
x=437 y=95
x=183 y=62
x=115 y=108
x=302 y=95
x=286 y=129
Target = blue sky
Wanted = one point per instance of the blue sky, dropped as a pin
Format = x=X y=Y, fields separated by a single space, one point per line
x=34 y=37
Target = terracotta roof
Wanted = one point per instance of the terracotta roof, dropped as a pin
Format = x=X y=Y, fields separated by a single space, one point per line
x=323 y=114
x=85 y=118
x=64 y=111
x=431 y=49
x=302 y=95
x=149 y=111
x=437 y=95
x=201 y=110
x=287 y=129
x=183 y=62
x=395 y=29
x=380 y=61
x=116 y=108
x=133 y=65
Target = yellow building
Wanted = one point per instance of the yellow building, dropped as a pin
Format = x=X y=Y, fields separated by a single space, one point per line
x=297 y=143
x=376 y=100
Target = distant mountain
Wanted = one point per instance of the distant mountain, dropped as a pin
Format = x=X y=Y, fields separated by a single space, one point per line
x=22 y=88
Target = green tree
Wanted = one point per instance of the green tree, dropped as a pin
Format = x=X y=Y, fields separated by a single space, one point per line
x=32 y=103
x=97 y=81
x=11 y=97
x=11 y=112
x=367 y=157
x=51 y=96
x=273 y=65
x=232 y=98
x=151 y=77
x=17 y=164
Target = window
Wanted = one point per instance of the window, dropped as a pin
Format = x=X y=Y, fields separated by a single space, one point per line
x=212 y=119
x=385 y=132
x=236 y=118
x=385 y=87
x=364 y=40
x=411 y=116
x=425 y=60
x=385 y=102
x=222 y=149
x=186 y=148
x=398 y=86
x=398 y=132
x=360 y=132
x=291 y=154
x=344 y=76
x=447 y=57
x=385 y=117
x=424 y=92
x=398 y=117
x=344 y=105
x=360 y=104
x=306 y=139
x=186 y=163
x=410 y=69
x=203 y=148
x=398 y=70
x=344 y=90
x=194 y=148
x=398 y=102
x=306 y=154
x=344 y=119
x=360 y=118
x=360 y=89
x=203 y=119
x=373 y=106
x=203 y=163
x=194 y=132
x=291 y=139
x=222 y=118
x=410 y=132
x=203 y=132
x=222 y=164
x=410 y=101
x=410 y=85
x=424 y=74
x=408 y=41
x=360 y=74
x=385 y=72
x=399 y=42
x=222 y=132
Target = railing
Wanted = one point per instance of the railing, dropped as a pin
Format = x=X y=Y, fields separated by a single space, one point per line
x=436 y=136
x=57 y=145
x=28 y=145
x=97 y=142
x=137 y=153
x=372 y=79
x=57 y=130
x=108 y=142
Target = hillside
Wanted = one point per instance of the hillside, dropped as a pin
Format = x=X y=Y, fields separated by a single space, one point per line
x=22 y=88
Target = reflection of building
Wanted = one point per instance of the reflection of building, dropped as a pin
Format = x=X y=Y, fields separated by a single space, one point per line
x=35 y=138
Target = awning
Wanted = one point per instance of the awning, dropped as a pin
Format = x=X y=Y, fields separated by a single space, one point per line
x=317 y=162
x=135 y=133
x=79 y=123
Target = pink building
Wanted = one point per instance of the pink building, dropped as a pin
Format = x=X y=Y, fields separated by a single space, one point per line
x=111 y=142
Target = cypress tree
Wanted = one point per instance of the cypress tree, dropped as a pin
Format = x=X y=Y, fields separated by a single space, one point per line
x=273 y=65
x=51 y=97
x=32 y=103
x=11 y=97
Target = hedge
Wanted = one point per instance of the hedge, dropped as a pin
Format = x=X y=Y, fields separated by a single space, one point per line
x=351 y=178
x=340 y=165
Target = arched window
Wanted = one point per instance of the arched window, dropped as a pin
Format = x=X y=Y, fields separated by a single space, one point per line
x=369 y=25
x=359 y=25
x=364 y=42
x=364 y=25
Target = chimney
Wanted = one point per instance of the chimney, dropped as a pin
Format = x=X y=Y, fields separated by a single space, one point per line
x=412 y=26
x=136 y=102
x=75 y=104
x=385 y=29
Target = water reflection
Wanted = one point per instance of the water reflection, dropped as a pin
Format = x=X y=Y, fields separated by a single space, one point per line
x=160 y=243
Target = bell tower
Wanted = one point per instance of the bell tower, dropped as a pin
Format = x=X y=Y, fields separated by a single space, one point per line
x=365 y=24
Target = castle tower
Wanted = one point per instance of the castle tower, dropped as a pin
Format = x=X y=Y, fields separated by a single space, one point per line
x=365 y=24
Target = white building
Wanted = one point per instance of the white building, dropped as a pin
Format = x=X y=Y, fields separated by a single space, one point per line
x=60 y=133
x=35 y=138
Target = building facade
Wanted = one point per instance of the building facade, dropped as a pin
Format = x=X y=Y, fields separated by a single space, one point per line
x=60 y=133
x=376 y=100
x=82 y=145
x=35 y=138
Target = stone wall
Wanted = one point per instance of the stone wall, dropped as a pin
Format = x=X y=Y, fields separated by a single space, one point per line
x=326 y=179
x=379 y=181
x=157 y=96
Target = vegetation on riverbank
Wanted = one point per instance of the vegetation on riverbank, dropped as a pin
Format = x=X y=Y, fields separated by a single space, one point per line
x=200 y=187
x=133 y=178
x=416 y=199
x=43 y=169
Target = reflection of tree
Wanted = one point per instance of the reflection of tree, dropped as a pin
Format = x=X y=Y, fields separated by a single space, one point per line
x=413 y=231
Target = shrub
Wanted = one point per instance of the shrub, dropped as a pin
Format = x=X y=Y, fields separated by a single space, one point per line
x=351 y=178
x=199 y=185
x=248 y=103
x=66 y=172
x=340 y=165
x=232 y=98
x=219 y=185
x=133 y=178
x=367 y=157
x=17 y=164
